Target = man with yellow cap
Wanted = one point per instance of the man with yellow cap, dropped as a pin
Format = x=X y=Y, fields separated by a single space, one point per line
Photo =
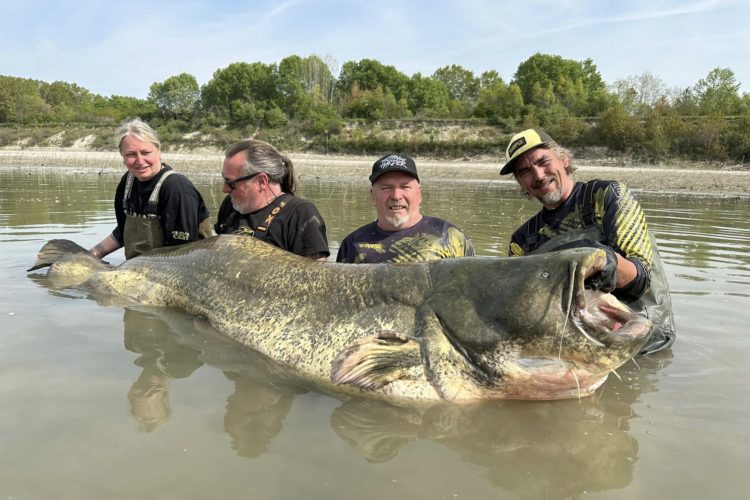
x=597 y=213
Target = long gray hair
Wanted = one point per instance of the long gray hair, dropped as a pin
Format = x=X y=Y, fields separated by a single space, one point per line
x=261 y=156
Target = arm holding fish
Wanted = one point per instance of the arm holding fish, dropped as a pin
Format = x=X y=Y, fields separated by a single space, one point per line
x=625 y=230
x=625 y=239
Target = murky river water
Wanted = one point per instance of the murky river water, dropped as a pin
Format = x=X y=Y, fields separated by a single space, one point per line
x=105 y=402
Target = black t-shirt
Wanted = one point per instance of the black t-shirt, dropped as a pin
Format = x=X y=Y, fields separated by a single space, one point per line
x=288 y=222
x=429 y=239
x=180 y=207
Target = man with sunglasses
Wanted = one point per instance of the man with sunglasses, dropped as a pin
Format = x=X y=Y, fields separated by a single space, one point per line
x=259 y=183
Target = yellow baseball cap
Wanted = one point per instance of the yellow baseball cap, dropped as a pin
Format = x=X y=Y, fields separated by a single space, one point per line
x=520 y=143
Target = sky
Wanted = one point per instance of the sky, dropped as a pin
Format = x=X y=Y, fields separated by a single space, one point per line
x=121 y=48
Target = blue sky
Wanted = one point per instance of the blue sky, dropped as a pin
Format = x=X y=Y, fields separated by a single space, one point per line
x=123 y=47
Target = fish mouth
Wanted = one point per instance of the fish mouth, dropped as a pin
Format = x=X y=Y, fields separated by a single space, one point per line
x=600 y=316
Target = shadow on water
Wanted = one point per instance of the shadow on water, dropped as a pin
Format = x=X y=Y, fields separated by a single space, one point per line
x=553 y=449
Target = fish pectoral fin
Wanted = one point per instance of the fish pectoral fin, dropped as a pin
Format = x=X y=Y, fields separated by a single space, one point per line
x=372 y=362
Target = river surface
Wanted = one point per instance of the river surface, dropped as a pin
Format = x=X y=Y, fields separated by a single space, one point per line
x=105 y=402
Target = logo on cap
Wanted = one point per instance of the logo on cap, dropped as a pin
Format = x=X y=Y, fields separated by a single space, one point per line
x=515 y=146
x=392 y=161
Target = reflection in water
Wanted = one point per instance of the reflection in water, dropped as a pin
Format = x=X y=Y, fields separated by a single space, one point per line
x=557 y=449
x=534 y=449
x=255 y=412
x=172 y=345
x=162 y=358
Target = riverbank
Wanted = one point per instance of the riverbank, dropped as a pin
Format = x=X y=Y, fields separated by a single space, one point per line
x=691 y=178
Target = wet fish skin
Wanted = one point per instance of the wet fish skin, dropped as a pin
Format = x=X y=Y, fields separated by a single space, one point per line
x=455 y=329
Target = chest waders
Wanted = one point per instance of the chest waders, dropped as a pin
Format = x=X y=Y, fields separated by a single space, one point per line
x=655 y=302
x=143 y=232
x=261 y=231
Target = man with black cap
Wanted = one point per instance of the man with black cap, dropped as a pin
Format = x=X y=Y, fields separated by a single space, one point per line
x=401 y=233
x=597 y=213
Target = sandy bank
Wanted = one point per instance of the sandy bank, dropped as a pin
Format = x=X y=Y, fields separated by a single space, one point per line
x=720 y=182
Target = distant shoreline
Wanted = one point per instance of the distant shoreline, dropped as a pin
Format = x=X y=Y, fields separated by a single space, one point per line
x=688 y=178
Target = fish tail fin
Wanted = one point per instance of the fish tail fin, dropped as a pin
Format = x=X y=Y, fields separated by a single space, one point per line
x=55 y=250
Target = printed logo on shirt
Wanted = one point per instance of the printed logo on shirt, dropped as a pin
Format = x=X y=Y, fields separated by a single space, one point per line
x=180 y=235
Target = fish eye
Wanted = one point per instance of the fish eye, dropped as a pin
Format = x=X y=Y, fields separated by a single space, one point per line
x=545 y=274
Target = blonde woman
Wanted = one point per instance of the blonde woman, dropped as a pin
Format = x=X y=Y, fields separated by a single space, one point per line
x=154 y=205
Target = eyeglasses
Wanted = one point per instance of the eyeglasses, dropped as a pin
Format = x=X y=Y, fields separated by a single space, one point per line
x=233 y=183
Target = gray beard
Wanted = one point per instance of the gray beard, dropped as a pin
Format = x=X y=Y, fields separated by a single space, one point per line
x=240 y=208
x=397 y=221
x=552 y=198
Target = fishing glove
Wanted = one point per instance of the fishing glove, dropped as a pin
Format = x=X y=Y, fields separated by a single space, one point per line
x=606 y=278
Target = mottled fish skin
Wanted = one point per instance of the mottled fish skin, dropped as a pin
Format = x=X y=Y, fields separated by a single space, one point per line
x=461 y=329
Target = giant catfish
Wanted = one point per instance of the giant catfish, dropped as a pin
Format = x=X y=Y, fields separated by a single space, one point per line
x=459 y=329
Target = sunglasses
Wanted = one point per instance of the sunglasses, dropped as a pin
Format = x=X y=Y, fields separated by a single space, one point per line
x=233 y=183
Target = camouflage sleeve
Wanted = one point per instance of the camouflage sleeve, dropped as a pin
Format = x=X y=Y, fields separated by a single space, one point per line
x=458 y=244
x=625 y=230
x=515 y=250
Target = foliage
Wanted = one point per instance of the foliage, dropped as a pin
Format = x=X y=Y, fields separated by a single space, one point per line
x=462 y=87
x=369 y=75
x=305 y=102
x=177 y=96
x=428 y=97
x=545 y=79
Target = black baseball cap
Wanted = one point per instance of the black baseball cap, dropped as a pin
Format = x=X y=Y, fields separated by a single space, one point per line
x=393 y=162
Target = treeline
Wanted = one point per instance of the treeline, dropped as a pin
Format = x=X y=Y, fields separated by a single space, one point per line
x=311 y=103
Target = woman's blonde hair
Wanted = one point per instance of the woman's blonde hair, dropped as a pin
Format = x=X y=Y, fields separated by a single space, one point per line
x=139 y=129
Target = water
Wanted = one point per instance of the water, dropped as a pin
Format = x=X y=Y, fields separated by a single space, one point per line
x=106 y=402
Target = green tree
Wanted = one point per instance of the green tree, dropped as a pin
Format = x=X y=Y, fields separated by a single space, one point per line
x=462 y=86
x=428 y=97
x=718 y=93
x=177 y=96
x=664 y=130
x=618 y=129
x=489 y=78
x=253 y=83
x=375 y=104
x=322 y=120
x=369 y=74
x=21 y=102
x=577 y=85
x=293 y=98
x=500 y=103
x=317 y=72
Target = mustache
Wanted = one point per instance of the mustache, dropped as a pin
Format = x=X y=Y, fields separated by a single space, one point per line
x=543 y=182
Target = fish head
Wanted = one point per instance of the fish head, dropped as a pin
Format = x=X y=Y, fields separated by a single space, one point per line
x=528 y=328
